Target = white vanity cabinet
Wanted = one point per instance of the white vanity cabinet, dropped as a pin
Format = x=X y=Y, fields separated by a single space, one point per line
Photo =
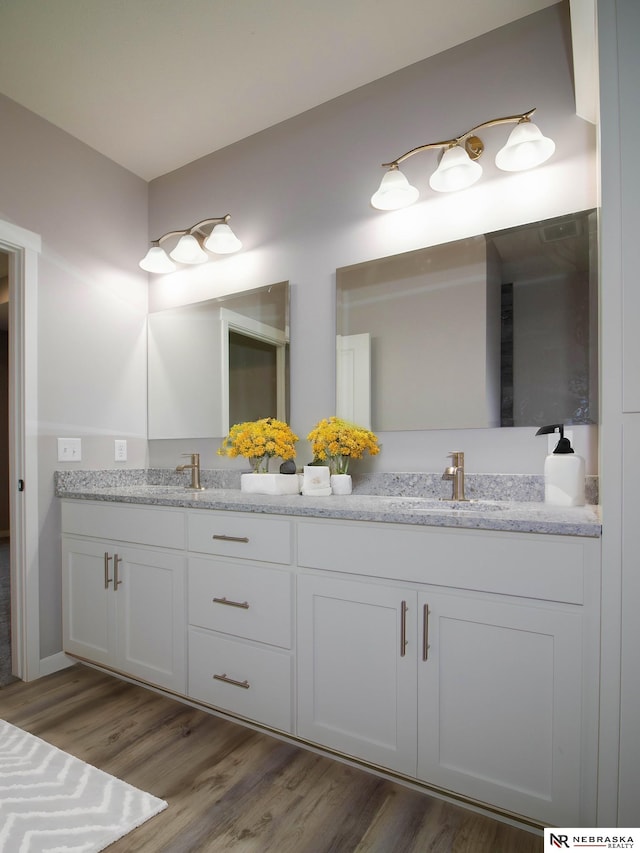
x=500 y=702
x=464 y=660
x=357 y=669
x=472 y=666
x=241 y=593
x=124 y=605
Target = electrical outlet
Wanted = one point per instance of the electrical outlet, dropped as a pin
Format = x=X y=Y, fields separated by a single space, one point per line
x=120 y=454
x=554 y=438
x=69 y=450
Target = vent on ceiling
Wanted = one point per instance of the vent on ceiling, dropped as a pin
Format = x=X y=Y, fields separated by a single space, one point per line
x=560 y=231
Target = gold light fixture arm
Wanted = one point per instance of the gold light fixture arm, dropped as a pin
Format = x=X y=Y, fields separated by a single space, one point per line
x=473 y=145
x=217 y=220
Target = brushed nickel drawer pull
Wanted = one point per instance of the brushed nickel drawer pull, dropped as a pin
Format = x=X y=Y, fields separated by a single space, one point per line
x=116 y=580
x=225 y=538
x=107 y=579
x=224 y=677
x=425 y=632
x=403 y=628
x=243 y=604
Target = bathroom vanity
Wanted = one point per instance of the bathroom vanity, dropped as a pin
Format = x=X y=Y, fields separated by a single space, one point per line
x=455 y=647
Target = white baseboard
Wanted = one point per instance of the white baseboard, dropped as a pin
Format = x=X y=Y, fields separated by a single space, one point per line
x=54 y=663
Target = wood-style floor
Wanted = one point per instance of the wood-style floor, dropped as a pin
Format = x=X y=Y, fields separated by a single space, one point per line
x=229 y=788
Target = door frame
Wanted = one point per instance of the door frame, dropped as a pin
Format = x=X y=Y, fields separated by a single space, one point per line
x=23 y=248
x=230 y=321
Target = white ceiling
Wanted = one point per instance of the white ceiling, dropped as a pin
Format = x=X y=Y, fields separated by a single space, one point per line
x=155 y=84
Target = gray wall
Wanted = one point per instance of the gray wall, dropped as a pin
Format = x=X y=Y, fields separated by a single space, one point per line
x=92 y=302
x=299 y=197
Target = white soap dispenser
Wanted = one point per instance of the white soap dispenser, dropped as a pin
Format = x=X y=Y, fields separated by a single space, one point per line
x=563 y=472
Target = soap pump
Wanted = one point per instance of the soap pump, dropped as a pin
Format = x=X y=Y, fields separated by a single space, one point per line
x=563 y=472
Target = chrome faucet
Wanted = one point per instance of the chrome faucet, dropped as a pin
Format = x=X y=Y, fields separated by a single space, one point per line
x=455 y=473
x=194 y=467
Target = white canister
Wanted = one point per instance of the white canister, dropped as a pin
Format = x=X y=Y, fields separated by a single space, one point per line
x=564 y=472
x=341 y=484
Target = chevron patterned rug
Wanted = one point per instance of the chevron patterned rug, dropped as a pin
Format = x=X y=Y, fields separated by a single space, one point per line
x=51 y=801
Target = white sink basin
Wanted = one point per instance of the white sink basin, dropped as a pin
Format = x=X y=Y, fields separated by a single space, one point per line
x=443 y=506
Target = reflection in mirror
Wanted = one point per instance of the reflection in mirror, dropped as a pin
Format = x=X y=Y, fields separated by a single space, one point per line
x=494 y=330
x=212 y=364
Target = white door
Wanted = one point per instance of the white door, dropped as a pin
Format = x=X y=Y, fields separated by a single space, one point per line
x=88 y=606
x=356 y=673
x=499 y=703
x=151 y=622
x=23 y=248
x=353 y=378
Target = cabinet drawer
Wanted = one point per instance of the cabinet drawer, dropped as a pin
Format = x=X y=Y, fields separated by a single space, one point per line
x=267 y=539
x=158 y=526
x=262 y=688
x=247 y=601
x=528 y=565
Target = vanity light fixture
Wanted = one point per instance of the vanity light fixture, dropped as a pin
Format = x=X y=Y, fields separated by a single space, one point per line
x=458 y=168
x=190 y=248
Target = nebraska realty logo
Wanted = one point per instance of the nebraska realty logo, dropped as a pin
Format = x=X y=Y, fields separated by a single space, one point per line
x=603 y=839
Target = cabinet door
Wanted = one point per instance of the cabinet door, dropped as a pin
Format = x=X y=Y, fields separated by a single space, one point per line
x=356 y=675
x=499 y=702
x=151 y=617
x=88 y=615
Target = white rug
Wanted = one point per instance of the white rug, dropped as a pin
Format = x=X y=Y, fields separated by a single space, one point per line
x=53 y=802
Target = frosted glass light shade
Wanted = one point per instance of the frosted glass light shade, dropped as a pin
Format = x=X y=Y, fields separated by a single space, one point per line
x=222 y=240
x=456 y=171
x=394 y=192
x=526 y=147
x=156 y=260
x=188 y=251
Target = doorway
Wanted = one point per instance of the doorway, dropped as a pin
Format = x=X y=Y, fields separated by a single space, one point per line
x=21 y=248
x=5 y=541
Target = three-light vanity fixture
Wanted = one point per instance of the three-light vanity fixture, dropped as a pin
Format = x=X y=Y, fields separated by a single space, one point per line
x=190 y=248
x=458 y=168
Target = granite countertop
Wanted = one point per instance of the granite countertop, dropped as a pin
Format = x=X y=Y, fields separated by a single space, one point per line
x=482 y=514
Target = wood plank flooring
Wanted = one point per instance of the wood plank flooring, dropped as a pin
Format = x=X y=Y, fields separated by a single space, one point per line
x=232 y=789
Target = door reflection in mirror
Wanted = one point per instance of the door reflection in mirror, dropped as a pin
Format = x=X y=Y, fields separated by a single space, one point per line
x=204 y=359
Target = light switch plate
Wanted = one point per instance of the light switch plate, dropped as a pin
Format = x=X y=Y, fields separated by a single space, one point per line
x=69 y=450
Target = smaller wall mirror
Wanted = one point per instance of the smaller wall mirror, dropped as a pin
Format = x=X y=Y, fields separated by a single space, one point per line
x=215 y=363
x=491 y=331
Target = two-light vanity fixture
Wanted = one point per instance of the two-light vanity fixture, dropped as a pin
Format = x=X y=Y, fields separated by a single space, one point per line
x=190 y=249
x=458 y=168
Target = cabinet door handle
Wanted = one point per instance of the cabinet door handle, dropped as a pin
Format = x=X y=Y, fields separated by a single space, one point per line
x=224 y=677
x=403 y=628
x=107 y=579
x=425 y=632
x=243 y=604
x=116 y=580
x=225 y=538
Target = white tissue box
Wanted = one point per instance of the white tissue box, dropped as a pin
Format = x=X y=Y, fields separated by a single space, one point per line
x=269 y=484
x=316 y=480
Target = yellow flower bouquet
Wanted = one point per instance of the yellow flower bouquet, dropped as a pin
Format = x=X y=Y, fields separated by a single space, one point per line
x=337 y=442
x=258 y=441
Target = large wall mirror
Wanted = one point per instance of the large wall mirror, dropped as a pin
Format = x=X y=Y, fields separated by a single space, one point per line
x=491 y=331
x=215 y=363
